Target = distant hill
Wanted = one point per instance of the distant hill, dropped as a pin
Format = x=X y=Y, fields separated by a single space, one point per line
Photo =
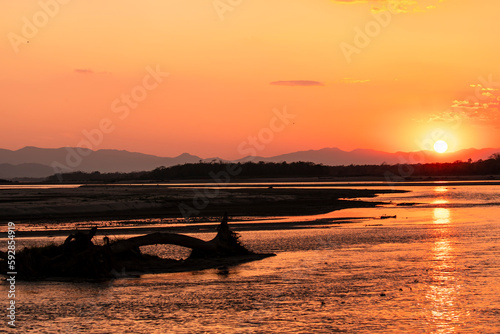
x=30 y=170
x=42 y=162
x=48 y=161
x=337 y=157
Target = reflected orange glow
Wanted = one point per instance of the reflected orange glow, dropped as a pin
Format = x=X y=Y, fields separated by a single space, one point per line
x=443 y=293
x=441 y=189
x=444 y=290
x=440 y=201
x=441 y=216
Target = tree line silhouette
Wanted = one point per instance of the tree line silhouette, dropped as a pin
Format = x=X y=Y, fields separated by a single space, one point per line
x=249 y=170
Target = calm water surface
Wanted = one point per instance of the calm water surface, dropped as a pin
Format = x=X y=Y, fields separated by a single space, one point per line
x=433 y=269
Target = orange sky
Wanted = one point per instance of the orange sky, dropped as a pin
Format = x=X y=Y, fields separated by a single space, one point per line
x=427 y=70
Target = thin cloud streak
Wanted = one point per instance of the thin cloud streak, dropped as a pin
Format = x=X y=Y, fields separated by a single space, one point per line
x=481 y=108
x=294 y=83
x=354 y=81
x=399 y=6
x=83 y=71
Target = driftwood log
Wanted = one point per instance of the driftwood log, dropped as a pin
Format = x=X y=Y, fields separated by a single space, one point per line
x=79 y=257
x=225 y=243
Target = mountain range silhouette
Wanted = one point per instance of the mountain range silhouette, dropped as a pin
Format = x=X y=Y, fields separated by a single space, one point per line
x=35 y=162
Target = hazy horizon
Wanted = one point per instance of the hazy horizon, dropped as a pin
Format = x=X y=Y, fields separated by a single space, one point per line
x=443 y=155
x=40 y=162
x=216 y=80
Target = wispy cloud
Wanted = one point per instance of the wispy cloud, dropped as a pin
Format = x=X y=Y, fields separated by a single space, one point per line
x=305 y=83
x=84 y=71
x=399 y=6
x=483 y=107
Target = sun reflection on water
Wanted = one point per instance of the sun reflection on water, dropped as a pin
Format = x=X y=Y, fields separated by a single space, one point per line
x=441 y=189
x=441 y=216
x=443 y=290
x=440 y=201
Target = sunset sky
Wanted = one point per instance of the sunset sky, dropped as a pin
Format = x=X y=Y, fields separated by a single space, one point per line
x=380 y=74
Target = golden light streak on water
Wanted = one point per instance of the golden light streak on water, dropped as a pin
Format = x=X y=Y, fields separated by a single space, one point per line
x=444 y=289
x=441 y=215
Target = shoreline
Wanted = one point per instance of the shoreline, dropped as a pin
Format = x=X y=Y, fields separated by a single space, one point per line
x=296 y=182
x=236 y=226
x=58 y=205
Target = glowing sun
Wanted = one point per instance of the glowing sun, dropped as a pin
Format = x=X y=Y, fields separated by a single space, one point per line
x=440 y=146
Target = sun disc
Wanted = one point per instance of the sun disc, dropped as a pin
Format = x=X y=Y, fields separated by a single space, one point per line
x=440 y=146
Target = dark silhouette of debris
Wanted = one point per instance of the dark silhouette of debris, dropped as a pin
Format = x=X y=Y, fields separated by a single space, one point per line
x=78 y=257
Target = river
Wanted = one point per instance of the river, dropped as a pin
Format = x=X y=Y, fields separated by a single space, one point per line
x=435 y=268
